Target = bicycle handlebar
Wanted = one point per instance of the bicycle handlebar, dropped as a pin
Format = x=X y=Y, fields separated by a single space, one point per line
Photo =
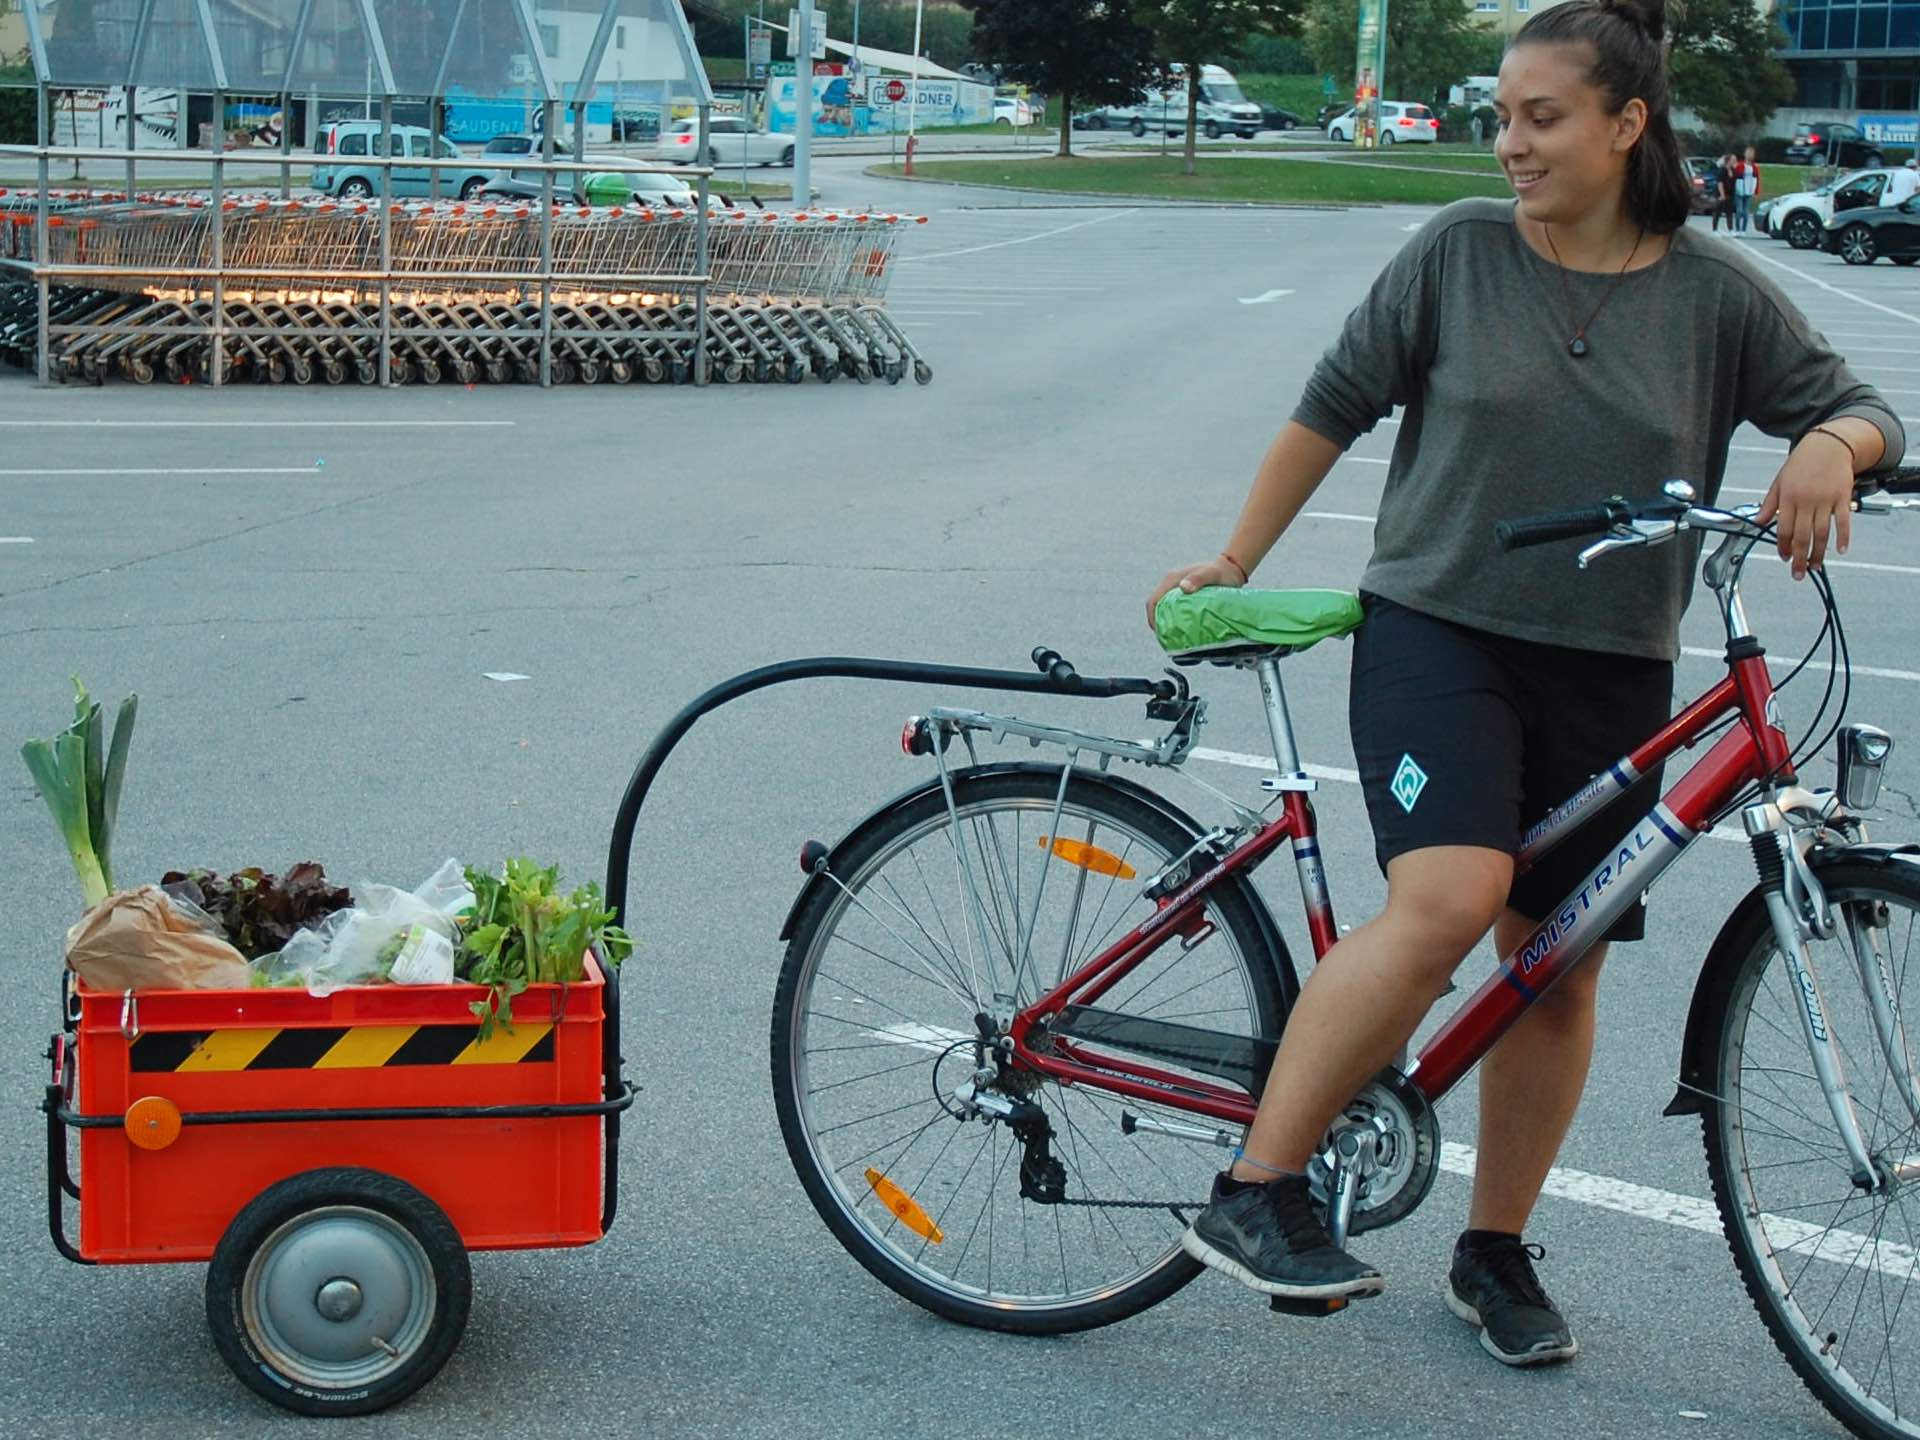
x=1608 y=514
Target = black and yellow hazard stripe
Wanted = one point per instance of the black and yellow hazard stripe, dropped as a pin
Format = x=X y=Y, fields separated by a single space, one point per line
x=359 y=1047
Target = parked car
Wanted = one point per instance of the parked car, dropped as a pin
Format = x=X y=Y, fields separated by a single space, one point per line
x=1401 y=122
x=1832 y=142
x=1220 y=109
x=1860 y=237
x=1706 y=190
x=511 y=145
x=345 y=140
x=730 y=141
x=1272 y=117
x=1801 y=216
x=1013 y=111
x=594 y=187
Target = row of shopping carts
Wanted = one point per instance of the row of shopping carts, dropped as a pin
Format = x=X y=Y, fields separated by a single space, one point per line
x=319 y=290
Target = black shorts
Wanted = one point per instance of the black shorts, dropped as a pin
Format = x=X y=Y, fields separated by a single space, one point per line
x=1469 y=738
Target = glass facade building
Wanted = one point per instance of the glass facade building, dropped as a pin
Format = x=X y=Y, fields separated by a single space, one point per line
x=1852 y=55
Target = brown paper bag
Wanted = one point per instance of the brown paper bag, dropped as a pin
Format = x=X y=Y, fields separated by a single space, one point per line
x=145 y=940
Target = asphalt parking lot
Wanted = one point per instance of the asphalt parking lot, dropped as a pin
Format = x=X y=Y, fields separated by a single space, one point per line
x=308 y=589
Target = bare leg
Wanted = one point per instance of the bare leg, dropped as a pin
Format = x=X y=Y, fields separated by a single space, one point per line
x=1530 y=1086
x=1368 y=994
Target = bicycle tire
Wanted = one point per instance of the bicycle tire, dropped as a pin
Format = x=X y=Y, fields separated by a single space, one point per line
x=1806 y=1278
x=1152 y=1266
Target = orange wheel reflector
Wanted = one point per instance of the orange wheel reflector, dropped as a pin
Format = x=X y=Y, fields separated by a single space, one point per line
x=903 y=1205
x=1088 y=857
x=152 y=1122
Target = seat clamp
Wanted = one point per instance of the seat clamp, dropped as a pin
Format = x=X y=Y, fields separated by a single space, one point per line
x=1289 y=782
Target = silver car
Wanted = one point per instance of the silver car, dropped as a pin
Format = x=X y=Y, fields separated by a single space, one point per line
x=731 y=141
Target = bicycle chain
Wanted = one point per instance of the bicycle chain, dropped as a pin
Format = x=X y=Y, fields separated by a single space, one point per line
x=1129 y=1204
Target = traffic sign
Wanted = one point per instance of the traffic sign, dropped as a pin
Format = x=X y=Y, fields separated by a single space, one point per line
x=896 y=90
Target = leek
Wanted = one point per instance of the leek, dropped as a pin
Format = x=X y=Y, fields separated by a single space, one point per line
x=80 y=777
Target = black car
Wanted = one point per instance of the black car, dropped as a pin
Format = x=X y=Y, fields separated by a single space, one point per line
x=1861 y=237
x=1832 y=142
x=1704 y=173
x=1272 y=117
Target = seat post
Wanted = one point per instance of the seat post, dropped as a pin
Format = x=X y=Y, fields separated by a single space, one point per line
x=1286 y=754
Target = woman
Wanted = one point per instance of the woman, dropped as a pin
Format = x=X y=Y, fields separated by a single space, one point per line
x=1722 y=181
x=1746 y=190
x=1574 y=343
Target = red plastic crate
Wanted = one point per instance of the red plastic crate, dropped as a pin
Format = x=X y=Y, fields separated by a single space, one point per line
x=505 y=1182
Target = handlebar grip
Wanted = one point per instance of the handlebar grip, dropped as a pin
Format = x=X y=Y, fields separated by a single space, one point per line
x=1905 y=480
x=1559 y=525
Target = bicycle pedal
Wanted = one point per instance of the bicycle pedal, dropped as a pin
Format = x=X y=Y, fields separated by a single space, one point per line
x=1285 y=1305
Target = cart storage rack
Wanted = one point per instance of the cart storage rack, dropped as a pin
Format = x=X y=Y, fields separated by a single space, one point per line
x=271 y=289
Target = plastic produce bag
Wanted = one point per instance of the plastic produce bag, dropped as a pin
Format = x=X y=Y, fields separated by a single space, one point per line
x=145 y=939
x=406 y=938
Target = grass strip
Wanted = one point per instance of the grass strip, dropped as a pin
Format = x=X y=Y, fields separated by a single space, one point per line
x=1220 y=178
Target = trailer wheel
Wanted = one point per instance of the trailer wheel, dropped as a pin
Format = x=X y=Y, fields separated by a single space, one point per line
x=338 y=1292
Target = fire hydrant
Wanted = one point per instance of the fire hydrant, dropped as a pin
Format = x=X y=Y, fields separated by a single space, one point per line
x=913 y=143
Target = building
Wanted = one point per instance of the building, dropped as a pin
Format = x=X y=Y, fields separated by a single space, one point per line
x=1851 y=57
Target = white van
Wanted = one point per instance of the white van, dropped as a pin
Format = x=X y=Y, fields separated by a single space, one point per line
x=1222 y=110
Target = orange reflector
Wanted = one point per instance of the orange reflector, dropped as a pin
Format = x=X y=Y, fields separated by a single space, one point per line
x=903 y=1205
x=1088 y=857
x=152 y=1122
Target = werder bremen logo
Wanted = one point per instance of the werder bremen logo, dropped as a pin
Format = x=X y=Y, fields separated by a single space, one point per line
x=1408 y=781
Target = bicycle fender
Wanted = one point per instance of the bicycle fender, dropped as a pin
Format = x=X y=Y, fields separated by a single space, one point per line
x=1730 y=944
x=1270 y=929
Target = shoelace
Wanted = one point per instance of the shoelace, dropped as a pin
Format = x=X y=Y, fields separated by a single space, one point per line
x=1293 y=1209
x=1511 y=1264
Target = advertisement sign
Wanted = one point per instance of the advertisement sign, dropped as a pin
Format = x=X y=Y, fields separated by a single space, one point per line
x=759 y=53
x=838 y=111
x=1370 y=68
x=1891 y=129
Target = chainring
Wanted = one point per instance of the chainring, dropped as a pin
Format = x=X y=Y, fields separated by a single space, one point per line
x=1409 y=1151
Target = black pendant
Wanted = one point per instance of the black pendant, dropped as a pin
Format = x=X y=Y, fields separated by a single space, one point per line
x=1577 y=346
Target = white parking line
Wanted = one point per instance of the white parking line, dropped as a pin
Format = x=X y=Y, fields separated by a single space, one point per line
x=256 y=424
x=1799 y=274
x=16 y=540
x=1017 y=240
x=236 y=470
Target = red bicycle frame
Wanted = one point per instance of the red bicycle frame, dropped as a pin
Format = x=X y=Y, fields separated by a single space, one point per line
x=1754 y=749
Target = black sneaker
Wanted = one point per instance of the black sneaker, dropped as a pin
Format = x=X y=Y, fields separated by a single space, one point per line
x=1492 y=1285
x=1269 y=1237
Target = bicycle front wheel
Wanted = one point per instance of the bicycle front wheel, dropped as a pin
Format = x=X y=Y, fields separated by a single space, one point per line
x=1830 y=1267
x=936 y=925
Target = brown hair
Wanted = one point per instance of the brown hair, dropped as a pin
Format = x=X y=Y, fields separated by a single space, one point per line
x=1629 y=62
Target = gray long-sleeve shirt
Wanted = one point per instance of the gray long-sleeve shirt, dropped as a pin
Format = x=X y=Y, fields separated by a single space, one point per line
x=1467 y=328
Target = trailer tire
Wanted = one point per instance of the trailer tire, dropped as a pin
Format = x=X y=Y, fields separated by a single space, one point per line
x=311 y=1275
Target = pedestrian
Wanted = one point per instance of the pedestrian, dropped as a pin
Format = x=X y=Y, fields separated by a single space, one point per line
x=1903 y=184
x=1550 y=351
x=1722 y=180
x=1746 y=192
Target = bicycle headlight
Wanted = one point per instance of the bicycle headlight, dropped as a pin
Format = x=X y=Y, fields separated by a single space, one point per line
x=1862 y=755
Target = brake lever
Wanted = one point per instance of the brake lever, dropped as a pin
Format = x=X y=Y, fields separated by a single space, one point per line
x=1881 y=503
x=1626 y=537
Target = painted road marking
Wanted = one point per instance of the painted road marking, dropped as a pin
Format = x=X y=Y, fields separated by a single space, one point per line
x=1799 y=274
x=237 y=470
x=1266 y=299
x=16 y=540
x=1017 y=240
x=255 y=424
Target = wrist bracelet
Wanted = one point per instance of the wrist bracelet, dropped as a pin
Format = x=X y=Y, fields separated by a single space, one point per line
x=1246 y=576
x=1852 y=454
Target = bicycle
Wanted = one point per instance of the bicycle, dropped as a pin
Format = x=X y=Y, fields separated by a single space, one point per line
x=1008 y=1112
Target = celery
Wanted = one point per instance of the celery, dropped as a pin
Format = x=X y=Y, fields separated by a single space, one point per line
x=80 y=778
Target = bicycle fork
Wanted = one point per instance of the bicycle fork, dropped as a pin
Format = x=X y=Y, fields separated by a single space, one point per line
x=1797 y=905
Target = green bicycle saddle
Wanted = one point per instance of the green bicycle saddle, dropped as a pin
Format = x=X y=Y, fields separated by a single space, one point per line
x=1222 y=619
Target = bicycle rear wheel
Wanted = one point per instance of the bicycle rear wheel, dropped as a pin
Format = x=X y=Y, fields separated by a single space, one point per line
x=875 y=1027
x=1832 y=1269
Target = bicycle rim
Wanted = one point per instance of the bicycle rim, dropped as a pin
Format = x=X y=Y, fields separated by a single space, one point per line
x=1834 y=1271
x=876 y=1028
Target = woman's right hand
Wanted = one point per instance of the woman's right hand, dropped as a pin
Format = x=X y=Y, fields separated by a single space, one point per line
x=1218 y=571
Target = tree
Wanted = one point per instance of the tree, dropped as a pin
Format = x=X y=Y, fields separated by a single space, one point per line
x=1087 y=51
x=1431 y=44
x=1192 y=32
x=1723 y=65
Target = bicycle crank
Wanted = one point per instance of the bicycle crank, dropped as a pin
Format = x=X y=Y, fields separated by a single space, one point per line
x=1379 y=1158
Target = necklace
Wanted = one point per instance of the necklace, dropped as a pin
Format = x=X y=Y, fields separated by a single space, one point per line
x=1577 y=346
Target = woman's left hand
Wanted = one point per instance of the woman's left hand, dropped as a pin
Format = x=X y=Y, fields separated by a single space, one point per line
x=1812 y=497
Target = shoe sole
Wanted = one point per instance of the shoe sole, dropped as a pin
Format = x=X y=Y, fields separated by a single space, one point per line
x=1214 y=1259
x=1530 y=1357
